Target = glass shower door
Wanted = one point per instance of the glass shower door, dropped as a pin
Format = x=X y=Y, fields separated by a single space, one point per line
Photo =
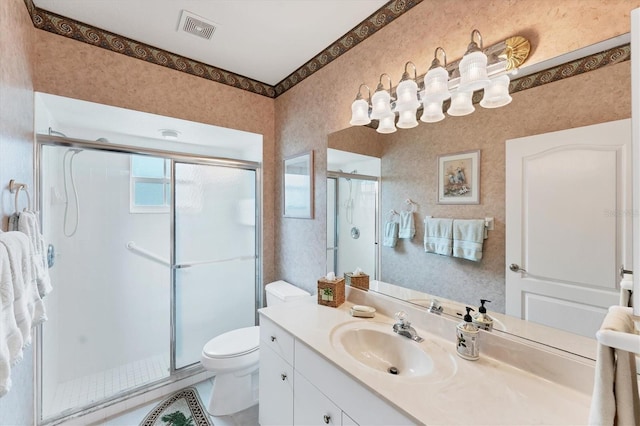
x=215 y=262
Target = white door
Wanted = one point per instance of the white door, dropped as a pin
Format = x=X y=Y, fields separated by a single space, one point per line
x=568 y=224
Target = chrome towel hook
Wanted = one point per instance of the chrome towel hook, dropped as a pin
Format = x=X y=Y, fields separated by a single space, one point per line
x=15 y=187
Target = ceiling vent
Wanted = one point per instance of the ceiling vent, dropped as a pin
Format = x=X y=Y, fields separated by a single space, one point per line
x=196 y=25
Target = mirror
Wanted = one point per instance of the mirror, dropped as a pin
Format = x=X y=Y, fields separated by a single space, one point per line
x=409 y=164
x=297 y=185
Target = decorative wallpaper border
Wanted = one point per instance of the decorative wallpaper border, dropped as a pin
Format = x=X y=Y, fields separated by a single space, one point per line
x=79 y=31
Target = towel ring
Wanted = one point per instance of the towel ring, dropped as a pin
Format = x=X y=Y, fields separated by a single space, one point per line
x=411 y=206
x=15 y=187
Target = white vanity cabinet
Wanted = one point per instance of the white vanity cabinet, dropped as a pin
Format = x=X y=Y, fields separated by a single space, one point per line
x=314 y=391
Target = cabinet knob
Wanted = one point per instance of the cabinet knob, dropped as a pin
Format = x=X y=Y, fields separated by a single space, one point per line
x=273 y=338
x=283 y=376
x=326 y=418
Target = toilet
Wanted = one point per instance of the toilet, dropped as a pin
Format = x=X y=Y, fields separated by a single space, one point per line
x=234 y=358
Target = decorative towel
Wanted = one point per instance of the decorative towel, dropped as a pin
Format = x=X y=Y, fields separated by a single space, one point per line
x=390 y=237
x=28 y=307
x=407 y=228
x=10 y=336
x=28 y=223
x=468 y=237
x=615 y=390
x=438 y=236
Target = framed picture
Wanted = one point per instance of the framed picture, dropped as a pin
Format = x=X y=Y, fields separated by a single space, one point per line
x=297 y=186
x=459 y=178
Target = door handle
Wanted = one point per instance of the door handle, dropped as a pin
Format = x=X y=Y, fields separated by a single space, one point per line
x=283 y=376
x=624 y=271
x=326 y=418
x=514 y=267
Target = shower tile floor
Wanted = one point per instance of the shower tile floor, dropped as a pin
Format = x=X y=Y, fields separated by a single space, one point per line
x=94 y=387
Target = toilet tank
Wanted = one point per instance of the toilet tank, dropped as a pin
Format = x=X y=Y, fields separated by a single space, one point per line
x=279 y=292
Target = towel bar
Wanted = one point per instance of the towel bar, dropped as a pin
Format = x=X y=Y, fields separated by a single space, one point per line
x=619 y=340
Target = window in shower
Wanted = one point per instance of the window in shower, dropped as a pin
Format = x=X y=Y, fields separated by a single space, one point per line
x=150 y=184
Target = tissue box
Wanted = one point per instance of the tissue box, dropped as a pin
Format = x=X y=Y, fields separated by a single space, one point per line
x=331 y=293
x=358 y=281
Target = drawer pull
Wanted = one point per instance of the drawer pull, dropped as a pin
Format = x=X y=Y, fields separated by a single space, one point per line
x=283 y=376
x=273 y=338
x=326 y=418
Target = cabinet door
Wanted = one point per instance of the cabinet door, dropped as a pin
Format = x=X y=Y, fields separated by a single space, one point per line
x=276 y=389
x=311 y=407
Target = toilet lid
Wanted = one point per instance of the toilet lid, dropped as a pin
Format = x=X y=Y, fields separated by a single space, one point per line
x=233 y=343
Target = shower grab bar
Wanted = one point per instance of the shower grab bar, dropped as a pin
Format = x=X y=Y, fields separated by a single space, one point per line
x=147 y=254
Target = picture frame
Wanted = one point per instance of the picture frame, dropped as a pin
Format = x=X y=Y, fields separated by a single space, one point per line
x=459 y=178
x=297 y=186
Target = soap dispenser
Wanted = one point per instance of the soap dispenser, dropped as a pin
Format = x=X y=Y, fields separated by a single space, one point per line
x=482 y=320
x=467 y=336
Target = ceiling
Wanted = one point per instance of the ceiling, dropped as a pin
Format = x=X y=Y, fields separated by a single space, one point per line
x=265 y=40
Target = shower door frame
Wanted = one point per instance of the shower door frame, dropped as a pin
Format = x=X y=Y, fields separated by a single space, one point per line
x=174 y=156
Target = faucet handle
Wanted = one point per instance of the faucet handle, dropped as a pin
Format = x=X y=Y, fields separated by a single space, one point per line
x=403 y=318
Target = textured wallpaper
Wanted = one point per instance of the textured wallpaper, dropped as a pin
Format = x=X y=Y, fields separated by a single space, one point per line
x=320 y=105
x=16 y=162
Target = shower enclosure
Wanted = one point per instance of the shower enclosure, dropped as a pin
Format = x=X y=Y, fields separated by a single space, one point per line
x=352 y=239
x=154 y=253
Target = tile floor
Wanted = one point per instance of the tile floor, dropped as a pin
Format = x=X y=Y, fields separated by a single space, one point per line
x=85 y=390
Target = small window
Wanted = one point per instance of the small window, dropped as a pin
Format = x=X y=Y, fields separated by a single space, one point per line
x=150 y=184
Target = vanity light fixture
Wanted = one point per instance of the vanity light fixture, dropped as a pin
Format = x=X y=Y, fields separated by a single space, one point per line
x=479 y=69
x=360 y=110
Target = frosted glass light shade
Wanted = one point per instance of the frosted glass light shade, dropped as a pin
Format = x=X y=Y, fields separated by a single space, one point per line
x=496 y=94
x=461 y=104
x=407 y=119
x=381 y=103
x=359 y=113
x=407 y=92
x=387 y=124
x=432 y=112
x=436 y=85
x=473 y=72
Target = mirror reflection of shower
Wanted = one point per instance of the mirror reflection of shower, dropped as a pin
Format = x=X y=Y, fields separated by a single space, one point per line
x=352 y=203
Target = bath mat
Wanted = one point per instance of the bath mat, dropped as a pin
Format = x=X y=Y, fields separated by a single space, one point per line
x=183 y=408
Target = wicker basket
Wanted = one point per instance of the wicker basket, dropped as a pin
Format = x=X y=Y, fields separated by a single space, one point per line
x=331 y=293
x=358 y=281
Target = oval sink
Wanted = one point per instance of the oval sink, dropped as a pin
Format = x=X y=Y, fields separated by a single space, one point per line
x=375 y=345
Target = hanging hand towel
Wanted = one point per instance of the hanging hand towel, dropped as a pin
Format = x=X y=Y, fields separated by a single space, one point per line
x=10 y=336
x=615 y=389
x=438 y=236
x=390 y=237
x=468 y=237
x=28 y=307
x=28 y=224
x=407 y=227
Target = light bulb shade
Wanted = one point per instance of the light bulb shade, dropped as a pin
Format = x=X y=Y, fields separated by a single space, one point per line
x=359 y=113
x=407 y=92
x=473 y=72
x=432 y=112
x=387 y=124
x=496 y=94
x=407 y=119
x=436 y=85
x=461 y=104
x=381 y=104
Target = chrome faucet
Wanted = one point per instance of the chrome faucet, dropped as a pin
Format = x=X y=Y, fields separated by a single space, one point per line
x=403 y=327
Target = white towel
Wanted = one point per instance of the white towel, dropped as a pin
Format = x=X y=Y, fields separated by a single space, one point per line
x=407 y=228
x=10 y=336
x=468 y=237
x=615 y=398
x=28 y=224
x=438 y=236
x=390 y=237
x=28 y=307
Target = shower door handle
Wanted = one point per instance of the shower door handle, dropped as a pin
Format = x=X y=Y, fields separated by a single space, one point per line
x=206 y=262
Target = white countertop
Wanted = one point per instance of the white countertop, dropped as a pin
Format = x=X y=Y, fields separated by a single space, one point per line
x=482 y=392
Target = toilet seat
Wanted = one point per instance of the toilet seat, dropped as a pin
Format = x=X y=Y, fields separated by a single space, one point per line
x=233 y=343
